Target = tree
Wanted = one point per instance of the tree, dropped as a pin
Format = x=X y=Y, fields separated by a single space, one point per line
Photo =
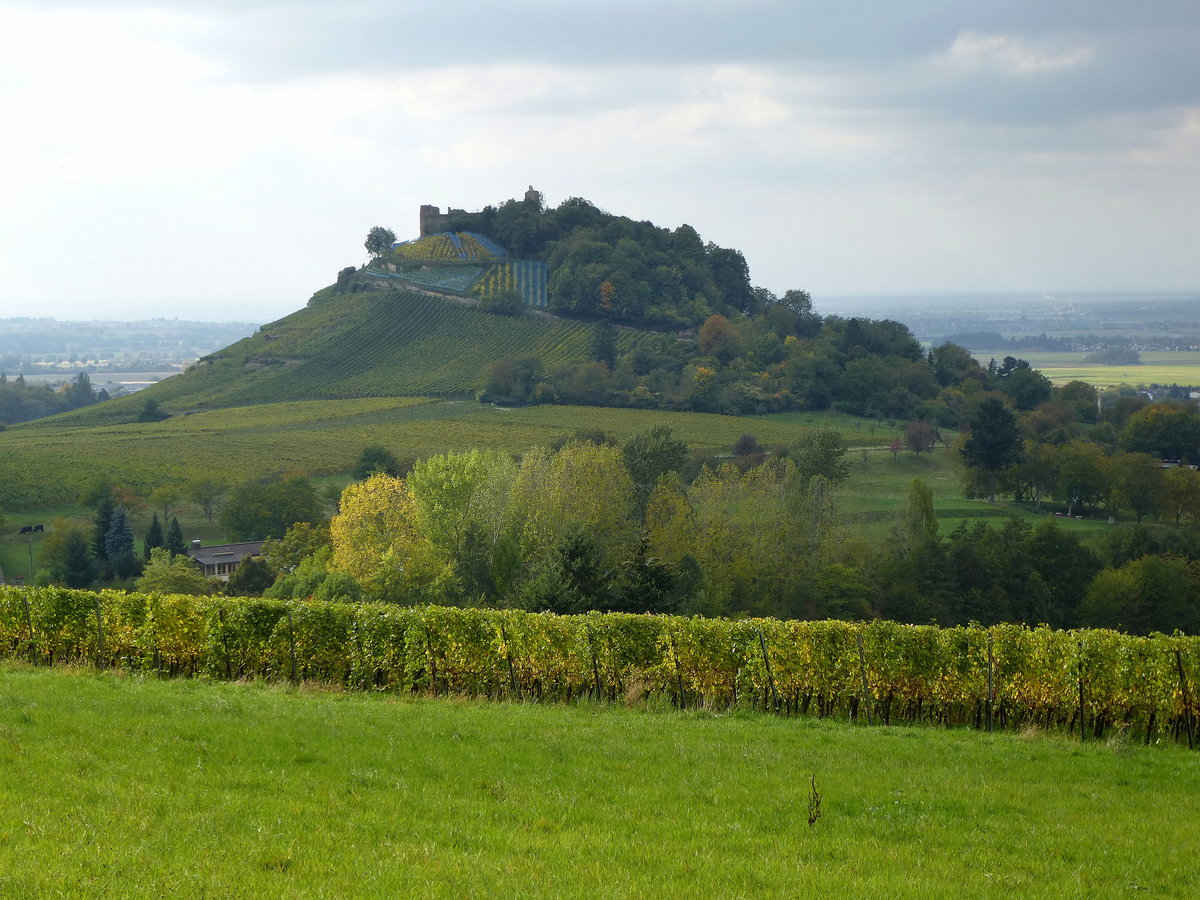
x=917 y=523
x=302 y=540
x=1182 y=496
x=379 y=241
x=1164 y=430
x=78 y=392
x=648 y=456
x=379 y=540
x=100 y=523
x=151 y=412
x=250 y=578
x=1082 y=474
x=506 y=302
x=919 y=436
x=1137 y=483
x=167 y=574
x=256 y=511
x=173 y=543
x=719 y=338
x=375 y=459
x=993 y=442
x=208 y=492
x=118 y=545
x=1153 y=593
x=154 y=537
x=454 y=491
x=820 y=451
x=582 y=484
x=604 y=345
x=570 y=578
x=167 y=498
x=65 y=556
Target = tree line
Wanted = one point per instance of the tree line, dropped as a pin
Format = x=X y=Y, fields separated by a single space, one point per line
x=21 y=401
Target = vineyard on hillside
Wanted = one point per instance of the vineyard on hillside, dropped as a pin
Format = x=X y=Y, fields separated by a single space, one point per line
x=450 y=246
x=528 y=278
x=369 y=344
x=1007 y=676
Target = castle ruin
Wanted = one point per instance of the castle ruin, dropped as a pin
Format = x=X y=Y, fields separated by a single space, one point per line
x=434 y=221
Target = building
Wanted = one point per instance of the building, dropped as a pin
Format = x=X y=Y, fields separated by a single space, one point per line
x=219 y=560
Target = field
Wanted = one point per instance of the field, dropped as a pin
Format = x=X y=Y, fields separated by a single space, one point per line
x=874 y=494
x=135 y=787
x=1157 y=367
x=321 y=437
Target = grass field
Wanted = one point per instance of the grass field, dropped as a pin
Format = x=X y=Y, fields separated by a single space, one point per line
x=120 y=786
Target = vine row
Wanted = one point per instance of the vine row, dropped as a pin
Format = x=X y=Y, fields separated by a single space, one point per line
x=1006 y=676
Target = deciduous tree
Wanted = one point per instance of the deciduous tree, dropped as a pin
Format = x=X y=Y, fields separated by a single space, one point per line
x=379 y=241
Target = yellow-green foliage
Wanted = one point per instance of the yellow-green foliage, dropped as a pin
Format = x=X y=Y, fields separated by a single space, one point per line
x=442 y=248
x=498 y=278
x=912 y=672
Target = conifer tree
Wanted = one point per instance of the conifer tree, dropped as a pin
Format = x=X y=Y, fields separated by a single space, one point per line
x=154 y=536
x=118 y=545
x=174 y=542
x=100 y=524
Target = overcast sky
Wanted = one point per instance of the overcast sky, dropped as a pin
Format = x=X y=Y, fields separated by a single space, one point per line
x=223 y=159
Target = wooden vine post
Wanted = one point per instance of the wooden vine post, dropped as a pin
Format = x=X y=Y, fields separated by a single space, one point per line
x=1187 y=702
x=762 y=642
x=512 y=672
x=862 y=668
x=292 y=641
x=29 y=625
x=678 y=671
x=99 y=635
x=595 y=665
x=1082 y=715
x=991 y=685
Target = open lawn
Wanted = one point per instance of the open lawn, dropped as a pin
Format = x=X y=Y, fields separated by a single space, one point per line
x=131 y=787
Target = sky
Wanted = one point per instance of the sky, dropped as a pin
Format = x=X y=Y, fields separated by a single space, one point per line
x=222 y=159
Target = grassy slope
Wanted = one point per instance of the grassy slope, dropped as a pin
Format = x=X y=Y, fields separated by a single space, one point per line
x=119 y=786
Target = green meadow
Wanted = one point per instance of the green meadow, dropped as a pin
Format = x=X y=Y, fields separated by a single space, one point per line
x=114 y=785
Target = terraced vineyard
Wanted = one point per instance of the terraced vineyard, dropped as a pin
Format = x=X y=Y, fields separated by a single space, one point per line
x=456 y=278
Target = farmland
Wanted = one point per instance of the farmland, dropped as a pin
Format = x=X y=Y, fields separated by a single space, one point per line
x=1157 y=367
x=321 y=437
x=130 y=786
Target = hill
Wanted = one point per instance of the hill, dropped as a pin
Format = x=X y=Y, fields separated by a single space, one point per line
x=368 y=343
